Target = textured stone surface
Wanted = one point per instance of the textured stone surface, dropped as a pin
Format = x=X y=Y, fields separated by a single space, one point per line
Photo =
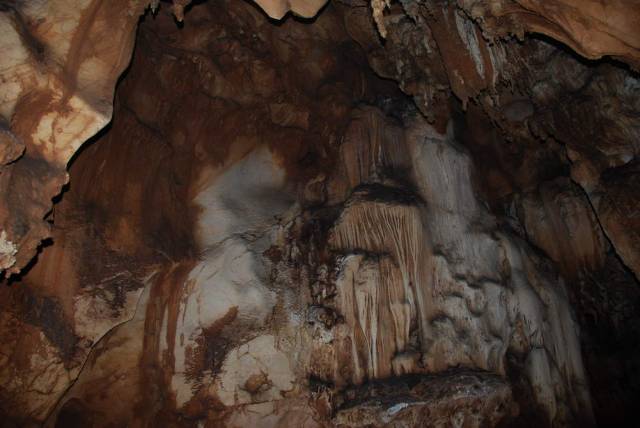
x=534 y=114
x=279 y=8
x=269 y=234
x=465 y=399
x=558 y=219
x=57 y=81
x=591 y=28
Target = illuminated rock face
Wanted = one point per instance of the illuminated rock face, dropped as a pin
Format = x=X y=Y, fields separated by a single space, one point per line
x=59 y=71
x=270 y=234
x=279 y=8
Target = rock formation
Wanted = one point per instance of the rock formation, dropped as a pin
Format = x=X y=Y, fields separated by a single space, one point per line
x=363 y=214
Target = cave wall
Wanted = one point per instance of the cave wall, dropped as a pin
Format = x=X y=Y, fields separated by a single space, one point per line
x=548 y=131
x=279 y=236
x=182 y=140
x=58 y=78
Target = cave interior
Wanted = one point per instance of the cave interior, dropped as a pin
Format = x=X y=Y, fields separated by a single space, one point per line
x=308 y=214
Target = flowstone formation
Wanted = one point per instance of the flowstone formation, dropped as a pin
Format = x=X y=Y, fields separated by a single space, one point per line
x=364 y=214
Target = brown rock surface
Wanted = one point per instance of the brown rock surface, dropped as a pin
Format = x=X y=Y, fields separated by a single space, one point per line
x=56 y=89
x=271 y=233
x=279 y=8
x=58 y=75
x=468 y=399
x=591 y=28
x=559 y=219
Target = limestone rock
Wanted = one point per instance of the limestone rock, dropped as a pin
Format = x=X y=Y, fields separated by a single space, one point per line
x=271 y=233
x=578 y=24
x=559 y=219
x=467 y=399
x=58 y=76
x=279 y=8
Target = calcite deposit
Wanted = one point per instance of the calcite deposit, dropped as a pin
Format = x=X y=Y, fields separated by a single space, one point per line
x=306 y=213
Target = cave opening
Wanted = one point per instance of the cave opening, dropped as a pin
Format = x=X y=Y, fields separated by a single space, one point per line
x=372 y=217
